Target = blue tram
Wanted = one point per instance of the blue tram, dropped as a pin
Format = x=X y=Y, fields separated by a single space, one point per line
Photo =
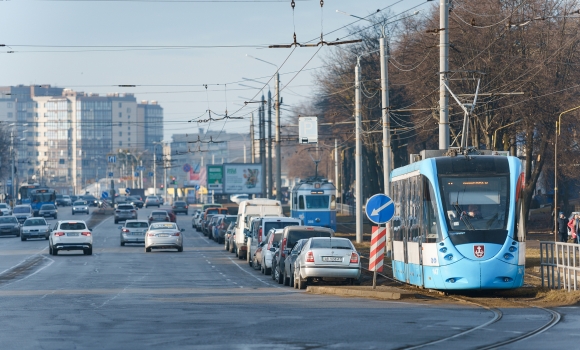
x=314 y=202
x=458 y=223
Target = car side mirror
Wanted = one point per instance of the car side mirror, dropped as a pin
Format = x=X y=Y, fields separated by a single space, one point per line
x=182 y=230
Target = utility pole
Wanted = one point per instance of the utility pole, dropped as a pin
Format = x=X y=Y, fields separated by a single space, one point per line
x=12 y=195
x=358 y=155
x=263 y=147
x=278 y=151
x=384 y=48
x=336 y=164
x=155 y=170
x=270 y=179
x=443 y=69
x=253 y=145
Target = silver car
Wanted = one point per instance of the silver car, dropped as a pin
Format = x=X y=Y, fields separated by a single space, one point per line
x=327 y=258
x=125 y=212
x=9 y=225
x=80 y=207
x=34 y=228
x=48 y=210
x=152 y=201
x=5 y=209
x=164 y=235
x=133 y=231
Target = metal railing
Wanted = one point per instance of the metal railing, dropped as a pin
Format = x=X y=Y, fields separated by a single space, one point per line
x=560 y=265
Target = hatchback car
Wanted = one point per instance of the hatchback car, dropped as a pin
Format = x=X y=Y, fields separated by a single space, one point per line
x=269 y=249
x=80 y=207
x=291 y=262
x=5 y=209
x=48 y=210
x=171 y=213
x=327 y=258
x=158 y=216
x=34 y=228
x=211 y=225
x=22 y=212
x=133 y=231
x=70 y=235
x=180 y=207
x=125 y=212
x=221 y=227
x=152 y=201
x=164 y=235
x=9 y=226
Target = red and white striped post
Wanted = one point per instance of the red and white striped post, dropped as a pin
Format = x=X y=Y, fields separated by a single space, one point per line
x=377 y=254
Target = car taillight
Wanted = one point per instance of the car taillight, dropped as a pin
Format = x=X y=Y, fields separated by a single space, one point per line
x=59 y=234
x=174 y=207
x=86 y=233
x=282 y=247
x=176 y=234
x=151 y=235
x=309 y=257
x=260 y=235
x=186 y=207
x=354 y=258
x=125 y=230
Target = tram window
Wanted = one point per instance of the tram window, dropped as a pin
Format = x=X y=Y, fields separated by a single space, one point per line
x=430 y=222
x=333 y=202
x=301 y=202
x=396 y=222
x=294 y=199
x=317 y=202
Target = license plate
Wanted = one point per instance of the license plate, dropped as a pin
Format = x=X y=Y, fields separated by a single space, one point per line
x=72 y=234
x=162 y=235
x=137 y=233
x=47 y=214
x=331 y=259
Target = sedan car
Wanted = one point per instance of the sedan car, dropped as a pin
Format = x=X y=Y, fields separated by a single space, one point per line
x=136 y=201
x=5 y=209
x=9 y=226
x=158 y=216
x=133 y=231
x=269 y=249
x=171 y=213
x=125 y=212
x=164 y=235
x=70 y=235
x=180 y=207
x=80 y=207
x=222 y=226
x=152 y=201
x=48 y=210
x=34 y=228
x=91 y=200
x=327 y=258
x=290 y=262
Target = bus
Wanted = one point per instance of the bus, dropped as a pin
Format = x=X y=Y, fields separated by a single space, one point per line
x=25 y=190
x=40 y=196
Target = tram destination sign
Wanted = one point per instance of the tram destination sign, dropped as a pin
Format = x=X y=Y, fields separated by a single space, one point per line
x=380 y=209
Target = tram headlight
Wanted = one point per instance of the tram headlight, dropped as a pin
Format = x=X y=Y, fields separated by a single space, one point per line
x=512 y=249
x=443 y=250
x=508 y=256
x=448 y=257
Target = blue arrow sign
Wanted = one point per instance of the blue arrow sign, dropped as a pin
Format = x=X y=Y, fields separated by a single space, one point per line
x=110 y=174
x=105 y=195
x=150 y=174
x=127 y=190
x=380 y=209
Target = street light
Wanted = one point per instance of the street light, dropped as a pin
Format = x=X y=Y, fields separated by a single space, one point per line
x=556 y=172
x=494 y=138
x=155 y=143
x=12 y=190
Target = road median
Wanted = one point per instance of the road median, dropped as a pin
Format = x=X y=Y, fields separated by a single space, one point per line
x=386 y=293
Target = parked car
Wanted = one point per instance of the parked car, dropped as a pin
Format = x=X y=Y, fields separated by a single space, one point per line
x=133 y=231
x=165 y=235
x=9 y=226
x=22 y=212
x=70 y=235
x=250 y=209
x=269 y=247
x=180 y=207
x=222 y=226
x=152 y=201
x=210 y=211
x=290 y=236
x=229 y=237
x=326 y=258
x=136 y=201
x=125 y=212
x=158 y=216
x=91 y=200
x=48 y=210
x=260 y=229
x=171 y=213
x=194 y=218
x=5 y=209
x=80 y=207
x=34 y=228
x=205 y=223
x=291 y=261
x=211 y=224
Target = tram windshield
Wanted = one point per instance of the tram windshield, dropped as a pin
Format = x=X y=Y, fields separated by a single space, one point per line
x=476 y=208
x=317 y=202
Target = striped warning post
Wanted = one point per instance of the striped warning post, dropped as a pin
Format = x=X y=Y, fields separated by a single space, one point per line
x=378 y=242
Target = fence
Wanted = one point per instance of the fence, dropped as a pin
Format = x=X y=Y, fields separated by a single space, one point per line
x=560 y=265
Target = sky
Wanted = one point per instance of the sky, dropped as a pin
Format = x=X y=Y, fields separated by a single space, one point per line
x=189 y=55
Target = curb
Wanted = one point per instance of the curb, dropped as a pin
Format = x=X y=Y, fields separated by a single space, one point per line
x=365 y=292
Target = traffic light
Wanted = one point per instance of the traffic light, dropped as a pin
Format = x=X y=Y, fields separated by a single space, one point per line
x=173 y=180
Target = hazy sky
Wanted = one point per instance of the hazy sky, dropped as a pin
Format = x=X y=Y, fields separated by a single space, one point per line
x=94 y=46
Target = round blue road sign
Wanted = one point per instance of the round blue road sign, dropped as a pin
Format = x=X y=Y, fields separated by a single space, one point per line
x=127 y=190
x=105 y=195
x=380 y=208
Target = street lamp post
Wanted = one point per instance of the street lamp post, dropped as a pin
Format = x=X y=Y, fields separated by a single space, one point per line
x=558 y=123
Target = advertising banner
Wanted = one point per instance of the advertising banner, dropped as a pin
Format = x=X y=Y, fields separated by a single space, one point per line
x=215 y=178
x=243 y=178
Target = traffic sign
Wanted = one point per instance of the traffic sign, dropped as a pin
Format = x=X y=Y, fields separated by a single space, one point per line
x=105 y=195
x=380 y=208
x=112 y=159
x=150 y=174
x=377 y=253
x=127 y=190
x=140 y=168
x=197 y=187
x=110 y=174
x=187 y=168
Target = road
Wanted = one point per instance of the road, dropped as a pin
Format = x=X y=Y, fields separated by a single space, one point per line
x=204 y=298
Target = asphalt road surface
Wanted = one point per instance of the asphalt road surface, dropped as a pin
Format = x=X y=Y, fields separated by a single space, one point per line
x=204 y=298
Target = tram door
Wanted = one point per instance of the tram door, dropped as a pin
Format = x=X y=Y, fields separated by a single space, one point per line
x=412 y=243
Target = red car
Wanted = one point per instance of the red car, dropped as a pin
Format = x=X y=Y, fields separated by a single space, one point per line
x=171 y=214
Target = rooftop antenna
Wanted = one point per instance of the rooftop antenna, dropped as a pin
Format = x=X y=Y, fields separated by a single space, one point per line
x=466 y=114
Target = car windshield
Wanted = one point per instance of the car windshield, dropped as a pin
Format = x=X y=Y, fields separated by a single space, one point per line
x=73 y=226
x=34 y=222
x=163 y=227
x=125 y=207
x=296 y=235
x=137 y=225
x=331 y=243
x=159 y=215
x=8 y=220
x=47 y=206
x=79 y=203
x=268 y=225
x=19 y=210
x=180 y=204
x=231 y=219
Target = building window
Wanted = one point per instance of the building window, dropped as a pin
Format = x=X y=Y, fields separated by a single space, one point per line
x=61 y=161
x=10 y=115
x=120 y=114
x=120 y=105
x=120 y=143
x=129 y=139
x=128 y=128
x=128 y=117
x=128 y=110
x=10 y=105
x=120 y=123
x=120 y=133
x=129 y=133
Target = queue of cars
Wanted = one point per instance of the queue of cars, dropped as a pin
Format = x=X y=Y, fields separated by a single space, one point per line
x=293 y=254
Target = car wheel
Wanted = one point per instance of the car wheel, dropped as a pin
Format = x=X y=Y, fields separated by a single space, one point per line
x=301 y=283
x=122 y=243
x=50 y=250
x=286 y=279
x=273 y=272
x=267 y=270
x=251 y=262
x=22 y=238
x=262 y=269
x=54 y=251
x=147 y=250
x=291 y=280
x=279 y=276
x=294 y=281
x=73 y=213
x=180 y=249
x=116 y=222
x=88 y=251
x=18 y=234
x=46 y=238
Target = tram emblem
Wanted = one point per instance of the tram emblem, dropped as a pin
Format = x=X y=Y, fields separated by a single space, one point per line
x=478 y=251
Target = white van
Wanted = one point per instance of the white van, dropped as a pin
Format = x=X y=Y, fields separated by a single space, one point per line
x=258 y=207
x=260 y=229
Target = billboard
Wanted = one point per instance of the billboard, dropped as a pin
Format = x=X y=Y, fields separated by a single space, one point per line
x=243 y=178
x=215 y=178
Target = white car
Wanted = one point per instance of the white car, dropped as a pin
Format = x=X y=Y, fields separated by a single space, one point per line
x=70 y=235
x=34 y=228
x=164 y=235
x=80 y=207
x=5 y=208
x=269 y=248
